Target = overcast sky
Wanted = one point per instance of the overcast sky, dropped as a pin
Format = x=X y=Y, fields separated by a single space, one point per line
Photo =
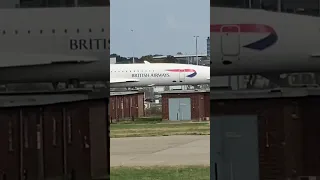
x=143 y=27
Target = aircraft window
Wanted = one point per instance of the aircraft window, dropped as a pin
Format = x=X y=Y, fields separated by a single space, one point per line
x=29 y=31
x=53 y=31
x=16 y=31
x=102 y=30
x=3 y=32
x=90 y=30
x=66 y=30
x=78 y=30
x=41 y=31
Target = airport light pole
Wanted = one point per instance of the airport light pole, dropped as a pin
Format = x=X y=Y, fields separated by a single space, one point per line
x=279 y=5
x=132 y=46
x=197 y=49
x=76 y=3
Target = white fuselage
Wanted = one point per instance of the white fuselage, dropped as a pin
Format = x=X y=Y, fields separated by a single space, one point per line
x=159 y=74
x=287 y=42
x=54 y=44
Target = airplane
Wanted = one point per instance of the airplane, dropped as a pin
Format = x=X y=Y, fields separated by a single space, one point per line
x=67 y=44
x=256 y=41
x=157 y=74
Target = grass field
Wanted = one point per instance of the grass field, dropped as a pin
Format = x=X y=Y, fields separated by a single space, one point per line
x=154 y=127
x=161 y=173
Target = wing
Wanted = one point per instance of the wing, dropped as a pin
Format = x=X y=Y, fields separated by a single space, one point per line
x=122 y=80
x=11 y=60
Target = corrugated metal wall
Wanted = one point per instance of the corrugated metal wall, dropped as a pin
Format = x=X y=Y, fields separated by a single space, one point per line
x=9 y=140
x=311 y=135
x=206 y=105
x=288 y=134
x=126 y=106
x=199 y=104
x=270 y=132
x=53 y=130
x=99 y=135
x=50 y=141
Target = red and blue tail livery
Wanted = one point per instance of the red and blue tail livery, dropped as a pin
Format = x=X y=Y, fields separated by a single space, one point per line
x=192 y=71
x=260 y=44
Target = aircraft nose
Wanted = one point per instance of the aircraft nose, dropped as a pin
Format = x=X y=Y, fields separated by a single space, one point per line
x=207 y=73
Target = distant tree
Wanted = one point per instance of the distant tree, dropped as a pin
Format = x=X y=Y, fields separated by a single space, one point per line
x=155 y=55
x=120 y=59
x=169 y=59
x=113 y=55
x=148 y=58
x=179 y=53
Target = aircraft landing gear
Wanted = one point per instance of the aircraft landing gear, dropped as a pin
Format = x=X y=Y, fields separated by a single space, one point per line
x=73 y=83
x=251 y=82
x=131 y=88
x=55 y=85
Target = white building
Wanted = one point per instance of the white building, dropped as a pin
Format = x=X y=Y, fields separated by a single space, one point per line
x=113 y=60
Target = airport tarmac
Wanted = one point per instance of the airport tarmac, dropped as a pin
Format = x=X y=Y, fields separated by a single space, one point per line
x=164 y=150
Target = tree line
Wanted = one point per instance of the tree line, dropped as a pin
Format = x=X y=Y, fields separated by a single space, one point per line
x=149 y=58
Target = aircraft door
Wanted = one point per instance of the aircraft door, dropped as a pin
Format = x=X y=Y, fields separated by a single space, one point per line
x=230 y=40
x=182 y=77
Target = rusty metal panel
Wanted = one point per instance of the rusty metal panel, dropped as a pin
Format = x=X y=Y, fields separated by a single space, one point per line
x=99 y=139
x=119 y=105
x=140 y=105
x=134 y=110
x=207 y=104
x=293 y=139
x=310 y=137
x=112 y=108
x=9 y=140
x=131 y=106
x=126 y=106
x=78 y=140
x=52 y=141
x=31 y=142
x=165 y=107
x=201 y=107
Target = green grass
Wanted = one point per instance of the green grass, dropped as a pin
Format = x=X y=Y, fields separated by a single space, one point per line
x=161 y=173
x=146 y=120
x=158 y=129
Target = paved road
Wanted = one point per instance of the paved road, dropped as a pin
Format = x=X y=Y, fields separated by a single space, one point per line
x=164 y=150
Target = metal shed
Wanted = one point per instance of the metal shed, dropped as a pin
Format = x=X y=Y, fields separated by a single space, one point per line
x=185 y=105
x=274 y=133
x=125 y=105
x=54 y=136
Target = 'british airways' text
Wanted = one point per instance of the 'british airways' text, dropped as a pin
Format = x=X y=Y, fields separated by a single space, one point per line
x=146 y=75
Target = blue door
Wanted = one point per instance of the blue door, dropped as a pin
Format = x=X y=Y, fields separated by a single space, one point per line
x=234 y=147
x=179 y=109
